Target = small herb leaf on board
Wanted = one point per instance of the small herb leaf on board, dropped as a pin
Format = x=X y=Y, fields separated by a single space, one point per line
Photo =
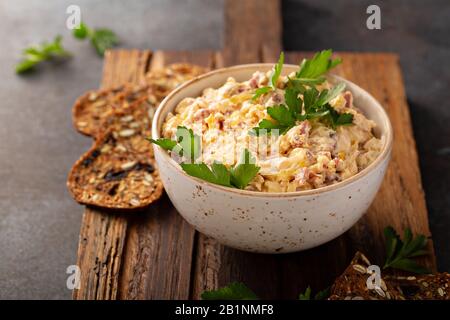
x=234 y=291
x=399 y=252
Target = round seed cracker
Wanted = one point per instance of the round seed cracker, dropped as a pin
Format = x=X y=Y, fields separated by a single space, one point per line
x=90 y=110
x=110 y=176
x=119 y=171
x=163 y=81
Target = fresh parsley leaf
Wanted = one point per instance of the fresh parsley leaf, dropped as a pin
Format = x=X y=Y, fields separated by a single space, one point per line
x=327 y=95
x=391 y=242
x=202 y=171
x=260 y=91
x=277 y=71
x=309 y=99
x=314 y=99
x=222 y=173
x=318 y=65
x=335 y=119
x=82 y=31
x=282 y=121
x=297 y=85
x=317 y=106
x=321 y=295
x=244 y=171
x=344 y=119
x=306 y=295
x=26 y=65
x=189 y=143
x=273 y=79
x=265 y=127
x=399 y=253
x=42 y=52
x=237 y=177
x=293 y=102
x=234 y=291
x=307 y=81
x=102 y=39
x=282 y=115
x=409 y=265
x=166 y=144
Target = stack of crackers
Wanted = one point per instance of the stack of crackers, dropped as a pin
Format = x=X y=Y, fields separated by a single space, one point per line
x=119 y=170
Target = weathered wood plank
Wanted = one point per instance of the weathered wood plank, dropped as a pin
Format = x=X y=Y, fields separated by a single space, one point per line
x=102 y=234
x=380 y=74
x=159 y=242
x=250 y=26
x=246 y=36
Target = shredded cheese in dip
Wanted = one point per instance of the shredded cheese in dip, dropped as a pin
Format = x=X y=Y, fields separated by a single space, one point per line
x=310 y=155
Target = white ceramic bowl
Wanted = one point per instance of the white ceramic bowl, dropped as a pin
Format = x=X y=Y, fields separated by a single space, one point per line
x=270 y=222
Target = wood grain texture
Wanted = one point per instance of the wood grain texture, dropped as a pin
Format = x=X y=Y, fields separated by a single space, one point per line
x=159 y=243
x=250 y=27
x=400 y=201
x=102 y=233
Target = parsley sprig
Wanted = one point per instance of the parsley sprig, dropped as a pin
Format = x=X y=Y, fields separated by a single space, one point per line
x=239 y=291
x=312 y=70
x=399 y=252
x=314 y=105
x=321 y=295
x=102 y=39
x=43 y=52
x=273 y=79
x=234 y=291
x=187 y=146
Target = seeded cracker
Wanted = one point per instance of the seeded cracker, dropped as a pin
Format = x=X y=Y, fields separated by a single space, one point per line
x=119 y=171
x=164 y=80
x=91 y=109
x=351 y=285
x=423 y=287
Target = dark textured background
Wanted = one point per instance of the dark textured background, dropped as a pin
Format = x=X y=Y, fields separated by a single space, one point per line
x=39 y=222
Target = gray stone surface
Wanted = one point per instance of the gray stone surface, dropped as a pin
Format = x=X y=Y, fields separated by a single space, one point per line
x=418 y=31
x=39 y=221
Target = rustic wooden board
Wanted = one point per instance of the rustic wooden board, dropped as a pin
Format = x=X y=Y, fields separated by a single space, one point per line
x=156 y=255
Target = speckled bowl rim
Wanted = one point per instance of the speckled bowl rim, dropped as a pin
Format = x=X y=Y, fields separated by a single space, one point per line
x=385 y=153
